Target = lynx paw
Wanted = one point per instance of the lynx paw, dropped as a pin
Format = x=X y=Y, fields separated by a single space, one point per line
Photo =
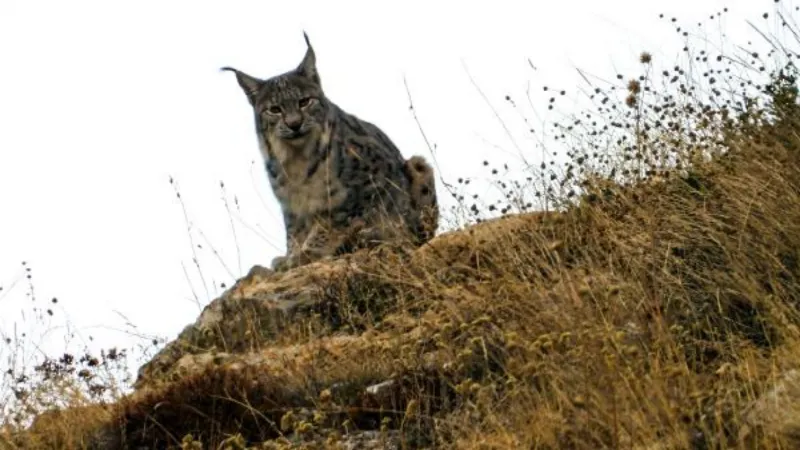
x=280 y=263
x=288 y=262
x=258 y=271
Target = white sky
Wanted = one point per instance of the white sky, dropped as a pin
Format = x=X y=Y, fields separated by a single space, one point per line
x=101 y=102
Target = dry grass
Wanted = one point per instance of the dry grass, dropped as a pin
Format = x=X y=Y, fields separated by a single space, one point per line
x=655 y=312
x=651 y=311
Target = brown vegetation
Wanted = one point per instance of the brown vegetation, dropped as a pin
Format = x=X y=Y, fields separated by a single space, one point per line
x=656 y=309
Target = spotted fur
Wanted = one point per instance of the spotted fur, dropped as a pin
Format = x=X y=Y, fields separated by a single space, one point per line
x=341 y=182
x=423 y=195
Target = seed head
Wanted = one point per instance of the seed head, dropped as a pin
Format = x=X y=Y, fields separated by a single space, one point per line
x=634 y=87
x=631 y=101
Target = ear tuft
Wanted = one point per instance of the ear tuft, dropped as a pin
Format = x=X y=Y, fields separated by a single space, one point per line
x=250 y=85
x=308 y=67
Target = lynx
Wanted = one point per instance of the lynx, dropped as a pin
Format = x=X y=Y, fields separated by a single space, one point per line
x=342 y=184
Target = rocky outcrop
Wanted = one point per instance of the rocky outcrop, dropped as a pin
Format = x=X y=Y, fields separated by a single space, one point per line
x=265 y=307
x=328 y=343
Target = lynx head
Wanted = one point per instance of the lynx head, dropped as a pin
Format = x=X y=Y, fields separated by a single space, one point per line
x=291 y=106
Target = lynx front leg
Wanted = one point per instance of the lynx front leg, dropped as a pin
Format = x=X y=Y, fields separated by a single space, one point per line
x=314 y=247
x=295 y=256
x=296 y=234
x=322 y=243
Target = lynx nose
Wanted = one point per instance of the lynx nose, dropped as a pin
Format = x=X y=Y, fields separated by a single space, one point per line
x=294 y=122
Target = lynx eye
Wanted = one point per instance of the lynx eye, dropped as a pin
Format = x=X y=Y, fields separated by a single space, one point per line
x=305 y=101
x=274 y=109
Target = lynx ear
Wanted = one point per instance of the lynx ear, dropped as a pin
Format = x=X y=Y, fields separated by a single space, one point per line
x=308 y=67
x=249 y=85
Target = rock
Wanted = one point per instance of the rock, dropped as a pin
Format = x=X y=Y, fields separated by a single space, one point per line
x=260 y=306
x=254 y=310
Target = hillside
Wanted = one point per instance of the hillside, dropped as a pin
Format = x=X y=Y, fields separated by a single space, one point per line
x=647 y=312
x=653 y=316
